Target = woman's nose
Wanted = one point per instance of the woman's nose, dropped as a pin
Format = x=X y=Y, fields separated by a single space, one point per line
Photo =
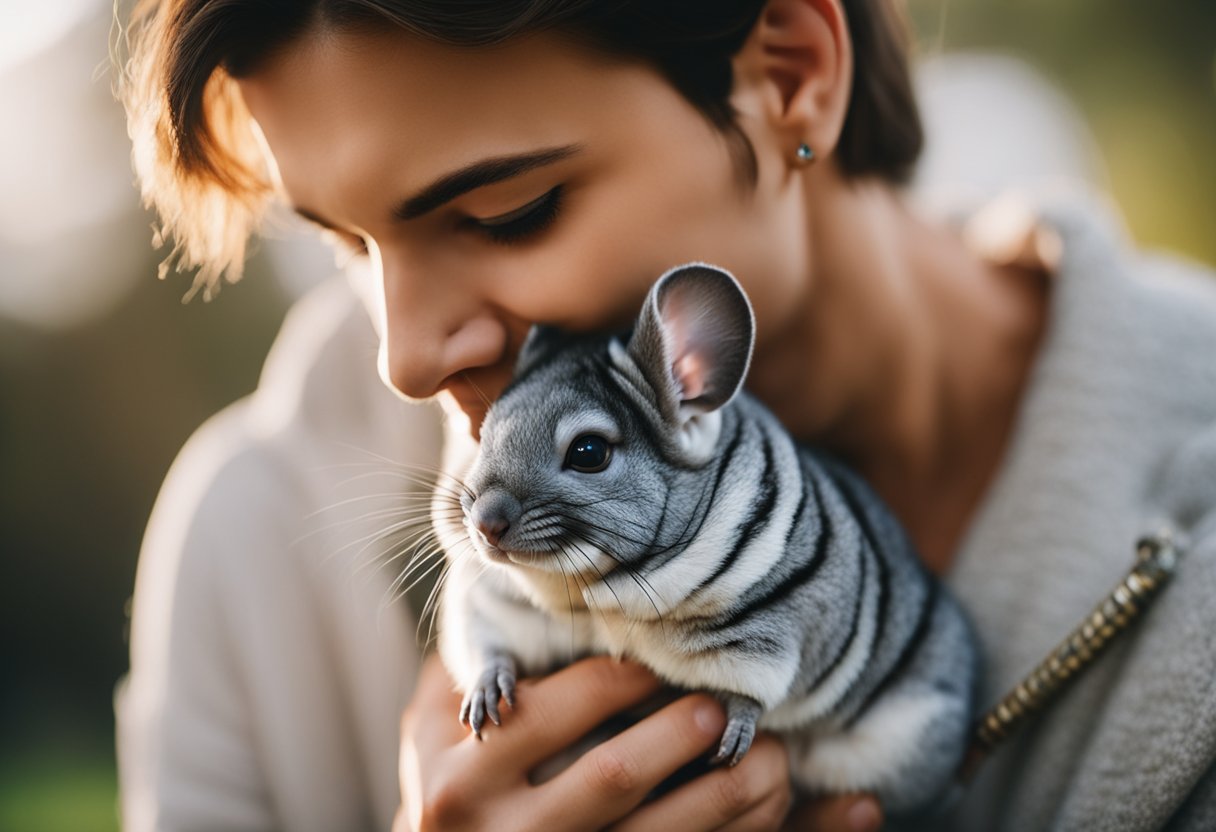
x=433 y=331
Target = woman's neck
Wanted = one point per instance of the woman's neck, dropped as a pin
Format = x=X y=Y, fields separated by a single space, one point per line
x=908 y=359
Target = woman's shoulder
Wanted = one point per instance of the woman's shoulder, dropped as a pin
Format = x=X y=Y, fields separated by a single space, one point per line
x=251 y=622
x=1094 y=248
x=1138 y=324
x=255 y=472
x=1179 y=297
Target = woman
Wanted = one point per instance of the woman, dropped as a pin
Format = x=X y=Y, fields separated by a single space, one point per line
x=511 y=163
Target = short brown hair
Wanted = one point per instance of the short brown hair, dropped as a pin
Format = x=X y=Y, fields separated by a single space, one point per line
x=201 y=166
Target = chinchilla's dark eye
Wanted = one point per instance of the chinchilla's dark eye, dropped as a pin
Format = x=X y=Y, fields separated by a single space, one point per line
x=589 y=454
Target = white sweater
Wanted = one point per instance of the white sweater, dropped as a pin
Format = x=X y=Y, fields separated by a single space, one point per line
x=269 y=667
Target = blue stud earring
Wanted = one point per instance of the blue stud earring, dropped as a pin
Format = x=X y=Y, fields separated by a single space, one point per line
x=805 y=154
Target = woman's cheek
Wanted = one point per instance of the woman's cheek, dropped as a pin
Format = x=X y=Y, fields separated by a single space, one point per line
x=589 y=281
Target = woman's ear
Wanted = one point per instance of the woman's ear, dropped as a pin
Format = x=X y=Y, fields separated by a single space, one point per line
x=795 y=71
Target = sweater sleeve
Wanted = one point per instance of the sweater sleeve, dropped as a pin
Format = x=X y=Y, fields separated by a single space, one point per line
x=270 y=656
x=262 y=690
x=1198 y=813
x=186 y=750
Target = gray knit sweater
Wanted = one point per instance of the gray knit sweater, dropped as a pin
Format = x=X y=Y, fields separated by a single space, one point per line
x=1116 y=434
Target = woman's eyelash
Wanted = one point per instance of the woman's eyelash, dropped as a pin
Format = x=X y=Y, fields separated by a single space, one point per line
x=524 y=221
x=514 y=226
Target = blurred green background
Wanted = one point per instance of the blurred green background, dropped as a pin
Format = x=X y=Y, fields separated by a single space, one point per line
x=104 y=373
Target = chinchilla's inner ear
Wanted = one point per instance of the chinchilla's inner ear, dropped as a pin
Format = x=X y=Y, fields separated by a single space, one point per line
x=693 y=339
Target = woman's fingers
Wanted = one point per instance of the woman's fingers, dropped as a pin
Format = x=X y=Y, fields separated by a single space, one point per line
x=611 y=779
x=844 y=813
x=754 y=795
x=550 y=714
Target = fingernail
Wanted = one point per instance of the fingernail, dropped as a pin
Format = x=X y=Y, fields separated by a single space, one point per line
x=709 y=719
x=864 y=816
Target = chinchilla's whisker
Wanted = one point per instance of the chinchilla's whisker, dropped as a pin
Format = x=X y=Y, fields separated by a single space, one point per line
x=484 y=398
x=382 y=473
x=385 y=532
x=543 y=511
x=398 y=589
x=575 y=543
x=585 y=584
x=401 y=512
x=684 y=539
x=569 y=600
x=680 y=542
x=647 y=547
x=581 y=521
x=538 y=531
x=650 y=549
x=396 y=496
x=401 y=579
x=419 y=553
x=395 y=592
x=374 y=514
x=420 y=545
x=436 y=477
x=390 y=511
x=592 y=608
x=430 y=609
x=424 y=476
x=644 y=585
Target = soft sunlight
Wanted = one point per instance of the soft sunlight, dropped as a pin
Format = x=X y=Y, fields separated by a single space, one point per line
x=28 y=28
x=72 y=239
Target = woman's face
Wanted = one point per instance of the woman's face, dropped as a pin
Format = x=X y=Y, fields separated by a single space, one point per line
x=494 y=188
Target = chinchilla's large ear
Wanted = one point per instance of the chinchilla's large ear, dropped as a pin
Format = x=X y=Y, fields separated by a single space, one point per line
x=693 y=339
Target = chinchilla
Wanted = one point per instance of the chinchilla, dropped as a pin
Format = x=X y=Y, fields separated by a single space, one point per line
x=629 y=498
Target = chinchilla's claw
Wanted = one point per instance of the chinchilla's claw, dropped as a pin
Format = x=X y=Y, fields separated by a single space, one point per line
x=736 y=741
x=742 y=712
x=477 y=712
x=496 y=682
x=506 y=682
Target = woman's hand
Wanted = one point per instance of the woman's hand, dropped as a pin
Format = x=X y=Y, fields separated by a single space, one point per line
x=451 y=781
x=844 y=813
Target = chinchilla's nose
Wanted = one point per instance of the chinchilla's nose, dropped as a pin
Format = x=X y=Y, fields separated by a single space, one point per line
x=493 y=513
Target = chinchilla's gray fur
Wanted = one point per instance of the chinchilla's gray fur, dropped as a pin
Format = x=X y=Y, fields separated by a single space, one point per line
x=711 y=548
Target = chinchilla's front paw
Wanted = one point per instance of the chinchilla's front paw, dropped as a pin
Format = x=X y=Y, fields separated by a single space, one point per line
x=496 y=681
x=742 y=713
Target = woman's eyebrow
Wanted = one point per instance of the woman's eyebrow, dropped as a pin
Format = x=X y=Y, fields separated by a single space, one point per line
x=451 y=185
x=486 y=172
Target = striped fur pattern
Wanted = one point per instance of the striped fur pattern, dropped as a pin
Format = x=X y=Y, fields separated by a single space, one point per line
x=711 y=548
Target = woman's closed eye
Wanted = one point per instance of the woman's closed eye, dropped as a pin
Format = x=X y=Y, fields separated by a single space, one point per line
x=522 y=222
x=514 y=226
